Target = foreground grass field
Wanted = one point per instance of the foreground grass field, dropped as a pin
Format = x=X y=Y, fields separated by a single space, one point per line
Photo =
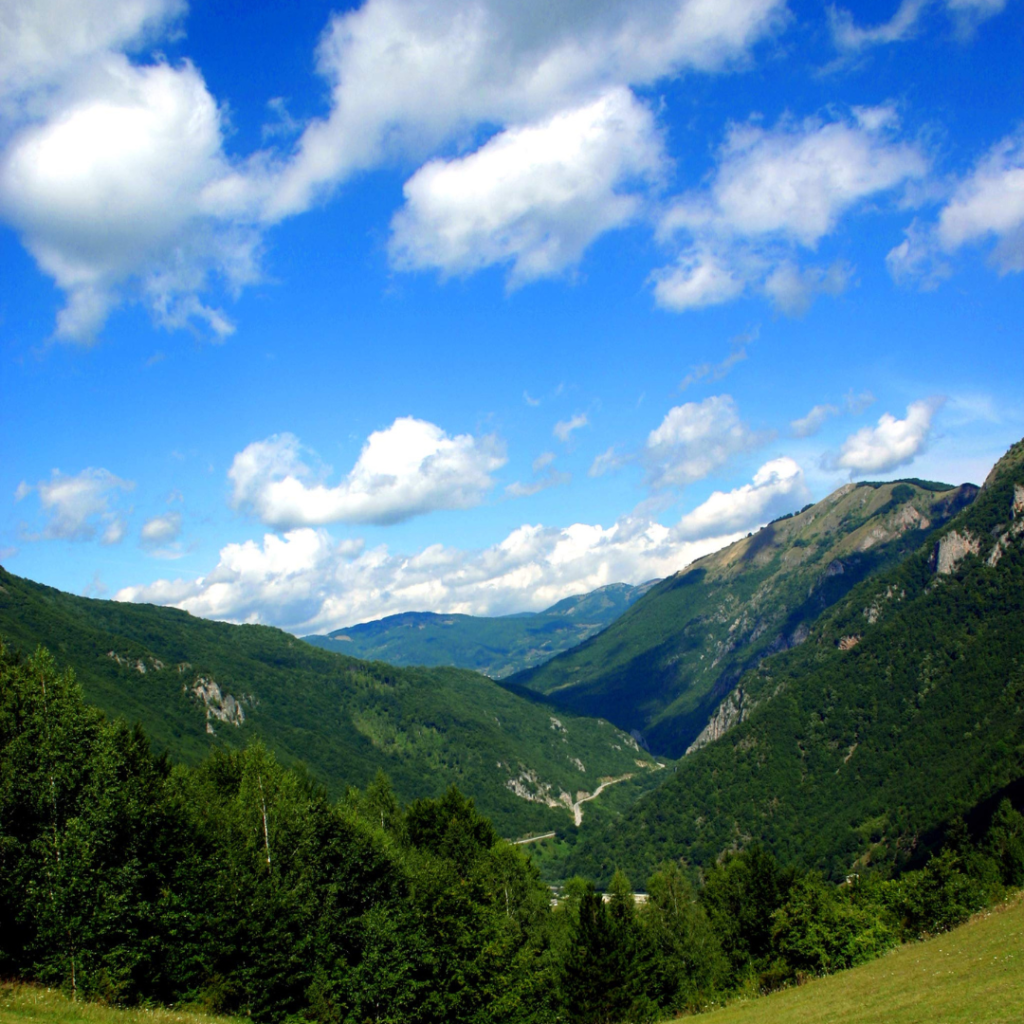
x=29 y=1004
x=973 y=975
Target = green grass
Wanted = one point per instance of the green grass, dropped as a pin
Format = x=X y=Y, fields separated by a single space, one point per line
x=27 y=1004
x=972 y=975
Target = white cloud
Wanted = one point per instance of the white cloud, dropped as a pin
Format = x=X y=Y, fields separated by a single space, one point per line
x=695 y=439
x=793 y=289
x=563 y=429
x=850 y=37
x=698 y=278
x=778 y=487
x=75 y=506
x=988 y=204
x=405 y=77
x=609 y=461
x=150 y=209
x=552 y=478
x=810 y=424
x=408 y=469
x=533 y=196
x=775 y=192
x=45 y=39
x=891 y=443
x=161 y=529
x=114 y=192
x=847 y=35
x=306 y=582
x=545 y=476
x=856 y=404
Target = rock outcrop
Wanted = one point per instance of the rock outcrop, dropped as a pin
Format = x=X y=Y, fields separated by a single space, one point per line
x=952 y=549
x=220 y=707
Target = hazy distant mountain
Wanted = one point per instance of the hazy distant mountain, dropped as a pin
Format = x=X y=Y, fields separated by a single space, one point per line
x=904 y=707
x=195 y=684
x=663 y=667
x=497 y=647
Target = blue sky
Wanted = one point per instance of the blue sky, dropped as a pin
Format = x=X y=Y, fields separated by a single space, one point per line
x=311 y=314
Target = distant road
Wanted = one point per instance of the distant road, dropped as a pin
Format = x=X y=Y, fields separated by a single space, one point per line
x=532 y=839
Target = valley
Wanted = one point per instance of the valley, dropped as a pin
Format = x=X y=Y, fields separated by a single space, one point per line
x=197 y=686
x=822 y=673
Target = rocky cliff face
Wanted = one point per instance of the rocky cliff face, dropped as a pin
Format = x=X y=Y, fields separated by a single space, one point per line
x=952 y=549
x=219 y=707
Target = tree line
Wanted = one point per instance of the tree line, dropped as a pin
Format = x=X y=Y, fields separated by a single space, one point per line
x=238 y=886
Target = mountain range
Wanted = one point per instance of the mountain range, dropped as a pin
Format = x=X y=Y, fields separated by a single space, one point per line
x=496 y=646
x=839 y=686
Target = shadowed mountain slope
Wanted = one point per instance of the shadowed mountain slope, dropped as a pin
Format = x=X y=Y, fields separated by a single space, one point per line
x=662 y=668
x=904 y=708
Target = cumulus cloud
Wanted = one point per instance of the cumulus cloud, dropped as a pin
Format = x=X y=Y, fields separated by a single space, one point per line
x=810 y=424
x=75 y=507
x=891 y=442
x=408 y=469
x=986 y=206
x=694 y=439
x=533 y=197
x=563 y=429
x=307 y=582
x=848 y=36
x=778 y=487
x=697 y=278
x=161 y=529
x=44 y=40
x=114 y=172
x=405 y=77
x=152 y=210
x=776 y=192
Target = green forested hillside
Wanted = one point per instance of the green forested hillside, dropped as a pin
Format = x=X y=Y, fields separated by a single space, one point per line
x=236 y=885
x=904 y=708
x=196 y=684
x=664 y=666
x=497 y=647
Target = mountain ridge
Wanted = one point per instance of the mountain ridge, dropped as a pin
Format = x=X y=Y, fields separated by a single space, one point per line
x=904 y=708
x=195 y=684
x=496 y=646
x=664 y=666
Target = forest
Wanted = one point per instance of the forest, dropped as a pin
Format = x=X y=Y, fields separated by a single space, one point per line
x=240 y=886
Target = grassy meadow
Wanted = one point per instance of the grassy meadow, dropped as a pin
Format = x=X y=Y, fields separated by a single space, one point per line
x=33 y=1004
x=971 y=975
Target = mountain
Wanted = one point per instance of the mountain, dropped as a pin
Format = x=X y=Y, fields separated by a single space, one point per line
x=194 y=684
x=497 y=647
x=662 y=668
x=903 y=709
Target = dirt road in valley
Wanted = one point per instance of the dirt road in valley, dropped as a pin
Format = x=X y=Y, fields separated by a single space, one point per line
x=577 y=809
